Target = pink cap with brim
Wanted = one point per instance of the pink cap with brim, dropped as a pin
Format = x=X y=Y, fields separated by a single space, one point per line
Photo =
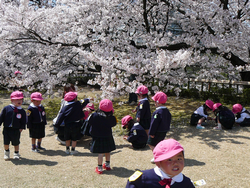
x=90 y=106
x=166 y=149
x=17 y=72
x=70 y=96
x=16 y=95
x=126 y=119
x=142 y=90
x=36 y=96
x=160 y=97
x=106 y=105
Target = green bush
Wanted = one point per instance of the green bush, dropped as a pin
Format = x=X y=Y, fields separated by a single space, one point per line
x=52 y=107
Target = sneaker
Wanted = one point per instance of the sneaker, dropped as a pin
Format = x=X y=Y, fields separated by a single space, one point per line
x=73 y=152
x=59 y=140
x=98 y=171
x=217 y=128
x=200 y=127
x=16 y=156
x=106 y=167
x=67 y=151
x=152 y=161
x=6 y=155
x=40 y=148
x=35 y=150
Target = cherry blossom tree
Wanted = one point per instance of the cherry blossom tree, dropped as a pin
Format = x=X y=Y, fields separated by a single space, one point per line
x=158 y=41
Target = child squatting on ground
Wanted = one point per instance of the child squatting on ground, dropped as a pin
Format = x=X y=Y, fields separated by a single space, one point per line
x=36 y=121
x=71 y=114
x=201 y=114
x=242 y=115
x=143 y=113
x=169 y=160
x=13 y=118
x=101 y=123
x=224 y=117
x=136 y=135
x=160 y=121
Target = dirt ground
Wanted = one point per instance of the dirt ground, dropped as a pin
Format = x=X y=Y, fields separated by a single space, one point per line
x=221 y=158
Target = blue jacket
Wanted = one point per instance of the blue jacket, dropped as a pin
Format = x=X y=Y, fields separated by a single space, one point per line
x=143 y=109
x=9 y=118
x=35 y=116
x=71 y=112
x=138 y=134
x=100 y=125
x=149 y=179
x=160 y=121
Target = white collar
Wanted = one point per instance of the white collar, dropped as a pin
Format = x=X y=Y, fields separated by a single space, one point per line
x=135 y=124
x=145 y=99
x=177 y=178
x=68 y=103
x=33 y=106
x=161 y=107
x=13 y=106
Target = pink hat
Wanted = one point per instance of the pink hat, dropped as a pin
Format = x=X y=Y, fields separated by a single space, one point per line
x=16 y=95
x=36 y=96
x=106 y=105
x=126 y=119
x=237 y=108
x=142 y=90
x=160 y=97
x=17 y=72
x=70 y=96
x=210 y=104
x=90 y=106
x=216 y=106
x=166 y=149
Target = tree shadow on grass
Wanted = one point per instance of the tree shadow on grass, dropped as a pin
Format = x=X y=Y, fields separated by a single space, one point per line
x=209 y=136
x=120 y=172
x=193 y=162
x=25 y=161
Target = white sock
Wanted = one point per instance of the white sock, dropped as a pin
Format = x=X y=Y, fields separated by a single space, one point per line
x=219 y=125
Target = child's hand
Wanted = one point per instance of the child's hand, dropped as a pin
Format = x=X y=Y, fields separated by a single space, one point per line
x=134 y=110
x=20 y=130
x=138 y=119
x=125 y=137
x=152 y=136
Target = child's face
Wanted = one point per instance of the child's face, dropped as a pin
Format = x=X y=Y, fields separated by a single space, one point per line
x=17 y=102
x=172 y=166
x=36 y=103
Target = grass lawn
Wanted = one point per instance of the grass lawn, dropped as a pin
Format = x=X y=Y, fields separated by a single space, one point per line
x=221 y=158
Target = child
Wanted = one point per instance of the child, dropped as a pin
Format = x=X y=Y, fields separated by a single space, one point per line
x=143 y=113
x=169 y=160
x=60 y=130
x=160 y=121
x=101 y=123
x=71 y=114
x=224 y=117
x=36 y=121
x=242 y=115
x=201 y=114
x=13 y=118
x=137 y=135
x=86 y=126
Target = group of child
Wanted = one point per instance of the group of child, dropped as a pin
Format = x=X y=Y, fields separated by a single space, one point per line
x=146 y=130
x=224 y=117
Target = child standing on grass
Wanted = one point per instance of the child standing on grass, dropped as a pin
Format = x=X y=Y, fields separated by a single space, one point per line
x=101 y=123
x=242 y=115
x=169 y=160
x=36 y=121
x=137 y=135
x=160 y=121
x=224 y=117
x=143 y=113
x=13 y=118
x=201 y=114
x=71 y=114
